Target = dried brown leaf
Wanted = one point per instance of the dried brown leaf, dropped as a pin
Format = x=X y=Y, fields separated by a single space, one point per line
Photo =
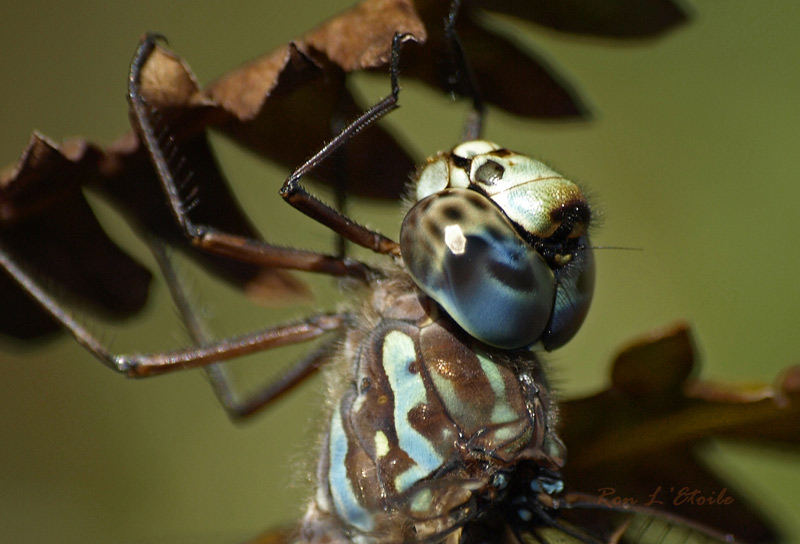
x=509 y=77
x=611 y=18
x=303 y=108
x=639 y=436
x=48 y=224
x=244 y=91
x=361 y=38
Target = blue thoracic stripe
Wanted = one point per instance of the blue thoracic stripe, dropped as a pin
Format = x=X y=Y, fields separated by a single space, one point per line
x=344 y=498
x=502 y=411
x=409 y=392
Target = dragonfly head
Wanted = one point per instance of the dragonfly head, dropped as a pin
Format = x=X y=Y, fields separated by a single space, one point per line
x=500 y=241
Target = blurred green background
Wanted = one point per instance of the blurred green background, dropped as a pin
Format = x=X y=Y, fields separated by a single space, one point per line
x=692 y=158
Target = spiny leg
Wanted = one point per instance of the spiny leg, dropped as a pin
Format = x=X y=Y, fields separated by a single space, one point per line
x=164 y=151
x=341 y=180
x=297 y=196
x=294 y=193
x=142 y=365
x=223 y=386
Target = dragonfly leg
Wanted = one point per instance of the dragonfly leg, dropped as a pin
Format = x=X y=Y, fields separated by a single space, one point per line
x=164 y=150
x=296 y=195
x=462 y=78
x=235 y=405
x=142 y=365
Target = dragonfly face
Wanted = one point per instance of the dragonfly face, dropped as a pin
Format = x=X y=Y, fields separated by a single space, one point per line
x=500 y=241
x=437 y=413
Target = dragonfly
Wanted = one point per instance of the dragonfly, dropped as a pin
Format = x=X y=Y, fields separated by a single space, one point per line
x=442 y=427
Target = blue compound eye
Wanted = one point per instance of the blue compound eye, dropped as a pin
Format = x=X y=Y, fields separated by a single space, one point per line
x=574 y=291
x=464 y=253
x=499 y=240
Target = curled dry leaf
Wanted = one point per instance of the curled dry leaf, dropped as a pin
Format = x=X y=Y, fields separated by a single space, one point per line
x=638 y=438
x=517 y=81
x=358 y=40
x=52 y=229
x=521 y=81
x=302 y=110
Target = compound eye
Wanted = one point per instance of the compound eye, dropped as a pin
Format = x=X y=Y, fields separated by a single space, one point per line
x=574 y=291
x=464 y=253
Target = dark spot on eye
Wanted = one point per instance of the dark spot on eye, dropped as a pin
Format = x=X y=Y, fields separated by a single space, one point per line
x=489 y=173
x=452 y=213
x=514 y=278
x=411 y=220
x=420 y=260
x=433 y=230
x=412 y=367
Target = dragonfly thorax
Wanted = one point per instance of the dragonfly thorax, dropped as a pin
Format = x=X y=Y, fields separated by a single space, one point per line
x=427 y=427
x=499 y=240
